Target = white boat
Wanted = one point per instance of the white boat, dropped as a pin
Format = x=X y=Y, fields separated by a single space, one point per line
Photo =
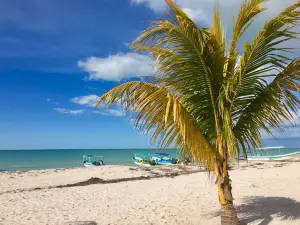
x=272 y=154
x=92 y=160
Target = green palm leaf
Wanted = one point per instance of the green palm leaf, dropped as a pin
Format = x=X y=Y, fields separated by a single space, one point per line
x=270 y=107
x=249 y=10
x=263 y=57
x=159 y=112
x=179 y=45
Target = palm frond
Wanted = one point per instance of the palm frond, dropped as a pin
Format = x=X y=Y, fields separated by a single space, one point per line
x=263 y=58
x=186 y=57
x=247 y=85
x=218 y=43
x=270 y=107
x=159 y=112
x=249 y=10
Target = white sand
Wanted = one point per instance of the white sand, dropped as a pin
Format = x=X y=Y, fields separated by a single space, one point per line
x=264 y=194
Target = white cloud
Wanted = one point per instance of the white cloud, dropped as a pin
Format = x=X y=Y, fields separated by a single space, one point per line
x=197 y=15
x=70 y=111
x=202 y=10
x=194 y=8
x=117 y=67
x=91 y=101
x=49 y=99
x=111 y=112
x=156 y=5
x=88 y=100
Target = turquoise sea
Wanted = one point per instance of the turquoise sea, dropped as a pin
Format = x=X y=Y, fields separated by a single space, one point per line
x=18 y=160
x=12 y=160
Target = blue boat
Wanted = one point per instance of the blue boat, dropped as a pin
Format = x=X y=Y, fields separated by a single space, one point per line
x=161 y=158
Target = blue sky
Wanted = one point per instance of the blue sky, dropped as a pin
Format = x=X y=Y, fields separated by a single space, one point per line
x=57 y=56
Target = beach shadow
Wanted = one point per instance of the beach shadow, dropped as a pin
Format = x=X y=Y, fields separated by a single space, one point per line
x=97 y=180
x=262 y=208
x=81 y=223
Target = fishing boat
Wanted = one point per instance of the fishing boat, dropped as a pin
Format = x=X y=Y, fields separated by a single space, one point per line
x=271 y=154
x=92 y=160
x=161 y=158
x=143 y=159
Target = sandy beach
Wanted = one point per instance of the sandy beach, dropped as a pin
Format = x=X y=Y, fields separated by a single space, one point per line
x=265 y=193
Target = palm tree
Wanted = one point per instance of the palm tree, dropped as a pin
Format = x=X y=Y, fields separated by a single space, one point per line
x=209 y=99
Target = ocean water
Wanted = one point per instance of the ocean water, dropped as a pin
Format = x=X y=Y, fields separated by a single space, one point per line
x=19 y=160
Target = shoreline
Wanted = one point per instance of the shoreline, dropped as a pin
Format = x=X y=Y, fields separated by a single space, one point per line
x=148 y=195
x=18 y=160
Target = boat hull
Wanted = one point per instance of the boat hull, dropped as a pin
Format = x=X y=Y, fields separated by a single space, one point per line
x=88 y=165
x=164 y=163
x=287 y=157
x=141 y=164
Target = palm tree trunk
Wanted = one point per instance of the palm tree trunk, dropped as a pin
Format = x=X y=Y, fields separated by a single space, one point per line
x=228 y=213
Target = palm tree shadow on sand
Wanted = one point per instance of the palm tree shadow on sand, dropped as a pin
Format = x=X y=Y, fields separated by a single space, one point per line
x=260 y=209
